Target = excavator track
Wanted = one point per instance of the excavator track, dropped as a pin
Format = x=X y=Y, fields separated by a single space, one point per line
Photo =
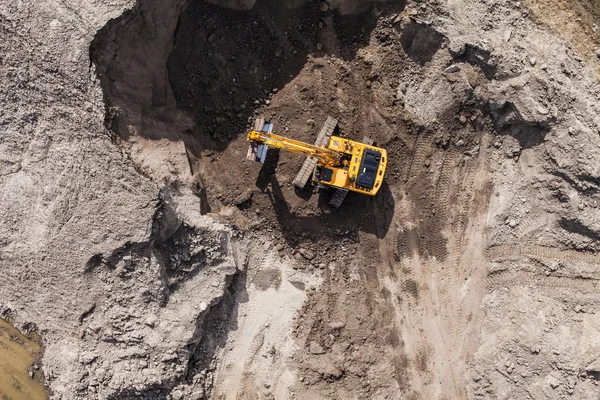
x=338 y=197
x=309 y=164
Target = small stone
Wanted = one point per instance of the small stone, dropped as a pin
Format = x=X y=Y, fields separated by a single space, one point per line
x=336 y=325
x=150 y=321
x=177 y=395
x=267 y=102
x=507 y=35
x=310 y=121
x=542 y=110
x=324 y=6
x=578 y=308
x=368 y=84
x=460 y=143
x=319 y=46
x=309 y=255
x=463 y=119
x=451 y=69
x=512 y=223
x=427 y=162
x=456 y=48
x=329 y=370
x=554 y=383
x=315 y=348
x=532 y=61
x=100 y=373
x=243 y=198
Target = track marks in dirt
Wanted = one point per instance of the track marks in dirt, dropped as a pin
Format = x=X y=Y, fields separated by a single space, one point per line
x=421 y=151
x=516 y=251
x=509 y=278
x=530 y=224
x=438 y=258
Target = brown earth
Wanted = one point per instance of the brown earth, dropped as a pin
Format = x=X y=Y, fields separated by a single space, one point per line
x=394 y=265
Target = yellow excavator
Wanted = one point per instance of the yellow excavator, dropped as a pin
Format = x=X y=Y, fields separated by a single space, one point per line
x=340 y=163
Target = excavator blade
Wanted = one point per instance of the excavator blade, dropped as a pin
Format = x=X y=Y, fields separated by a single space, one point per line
x=258 y=152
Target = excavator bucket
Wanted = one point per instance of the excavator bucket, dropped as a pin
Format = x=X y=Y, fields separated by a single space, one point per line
x=256 y=151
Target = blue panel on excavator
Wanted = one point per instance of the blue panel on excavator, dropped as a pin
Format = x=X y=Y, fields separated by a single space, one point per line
x=258 y=152
x=267 y=127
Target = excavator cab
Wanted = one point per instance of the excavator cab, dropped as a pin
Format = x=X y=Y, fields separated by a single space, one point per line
x=323 y=174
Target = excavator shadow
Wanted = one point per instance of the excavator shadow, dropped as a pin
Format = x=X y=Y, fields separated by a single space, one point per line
x=357 y=214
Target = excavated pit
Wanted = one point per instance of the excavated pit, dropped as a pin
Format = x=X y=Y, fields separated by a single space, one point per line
x=199 y=77
x=226 y=64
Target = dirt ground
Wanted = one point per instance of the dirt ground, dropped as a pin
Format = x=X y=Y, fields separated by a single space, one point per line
x=402 y=277
x=472 y=274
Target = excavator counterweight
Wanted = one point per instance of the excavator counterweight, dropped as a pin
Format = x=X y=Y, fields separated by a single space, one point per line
x=333 y=161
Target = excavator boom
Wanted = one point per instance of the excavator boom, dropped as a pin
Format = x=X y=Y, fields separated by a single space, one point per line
x=323 y=155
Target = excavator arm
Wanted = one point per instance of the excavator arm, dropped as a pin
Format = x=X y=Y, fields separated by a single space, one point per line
x=325 y=156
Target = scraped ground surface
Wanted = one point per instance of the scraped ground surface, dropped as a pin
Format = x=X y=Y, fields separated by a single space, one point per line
x=472 y=274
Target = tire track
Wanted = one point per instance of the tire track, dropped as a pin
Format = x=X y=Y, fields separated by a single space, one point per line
x=523 y=278
x=442 y=186
x=464 y=203
x=517 y=251
x=525 y=225
x=255 y=346
x=455 y=190
x=233 y=371
x=436 y=245
x=419 y=155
